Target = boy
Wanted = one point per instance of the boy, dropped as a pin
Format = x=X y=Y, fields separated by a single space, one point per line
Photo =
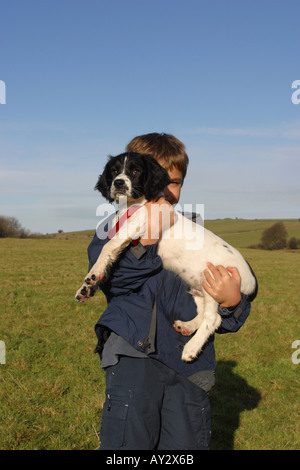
x=154 y=400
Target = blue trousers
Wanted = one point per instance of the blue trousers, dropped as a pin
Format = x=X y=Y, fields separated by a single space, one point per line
x=149 y=406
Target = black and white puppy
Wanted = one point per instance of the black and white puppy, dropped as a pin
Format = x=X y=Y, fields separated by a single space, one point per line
x=133 y=175
x=185 y=247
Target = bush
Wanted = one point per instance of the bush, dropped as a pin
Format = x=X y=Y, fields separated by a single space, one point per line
x=293 y=243
x=11 y=227
x=274 y=237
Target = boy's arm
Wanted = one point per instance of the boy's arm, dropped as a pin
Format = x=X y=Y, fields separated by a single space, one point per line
x=234 y=318
x=223 y=285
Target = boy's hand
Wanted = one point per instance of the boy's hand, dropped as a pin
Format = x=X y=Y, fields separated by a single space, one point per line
x=223 y=284
x=160 y=218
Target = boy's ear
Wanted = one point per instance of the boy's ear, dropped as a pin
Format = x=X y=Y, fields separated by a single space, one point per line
x=103 y=184
x=156 y=178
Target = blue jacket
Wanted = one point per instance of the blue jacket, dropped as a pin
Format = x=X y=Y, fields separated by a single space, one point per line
x=137 y=281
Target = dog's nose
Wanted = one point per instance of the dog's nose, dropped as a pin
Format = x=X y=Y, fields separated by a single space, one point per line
x=119 y=183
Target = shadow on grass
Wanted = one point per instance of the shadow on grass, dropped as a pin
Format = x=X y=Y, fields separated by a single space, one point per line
x=230 y=396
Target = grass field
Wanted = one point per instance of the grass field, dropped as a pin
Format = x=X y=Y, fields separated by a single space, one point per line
x=52 y=387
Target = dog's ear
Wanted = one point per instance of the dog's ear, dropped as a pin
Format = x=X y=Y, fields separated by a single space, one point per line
x=103 y=184
x=156 y=178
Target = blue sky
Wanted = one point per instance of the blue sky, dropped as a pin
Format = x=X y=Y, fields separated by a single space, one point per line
x=85 y=76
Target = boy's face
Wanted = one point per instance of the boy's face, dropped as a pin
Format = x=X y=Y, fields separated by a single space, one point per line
x=172 y=191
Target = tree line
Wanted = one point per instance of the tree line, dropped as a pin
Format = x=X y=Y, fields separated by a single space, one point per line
x=10 y=227
x=276 y=238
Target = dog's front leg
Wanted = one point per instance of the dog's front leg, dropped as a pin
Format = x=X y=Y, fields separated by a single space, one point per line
x=108 y=256
x=133 y=229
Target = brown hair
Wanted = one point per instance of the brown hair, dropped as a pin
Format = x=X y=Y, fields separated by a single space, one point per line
x=167 y=149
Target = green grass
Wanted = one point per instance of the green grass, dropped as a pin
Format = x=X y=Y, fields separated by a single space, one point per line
x=52 y=386
x=51 y=389
x=256 y=401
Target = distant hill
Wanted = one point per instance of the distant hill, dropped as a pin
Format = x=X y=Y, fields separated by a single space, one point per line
x=237 y=232
x=244 y=232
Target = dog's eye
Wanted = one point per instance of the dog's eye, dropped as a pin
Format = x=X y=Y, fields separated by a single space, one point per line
x=135 y=172
x=114 y=173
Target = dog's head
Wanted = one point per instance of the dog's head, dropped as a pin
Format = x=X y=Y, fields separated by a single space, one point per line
x=132 y=175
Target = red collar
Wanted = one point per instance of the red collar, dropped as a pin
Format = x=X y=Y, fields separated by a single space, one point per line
x=112 y=232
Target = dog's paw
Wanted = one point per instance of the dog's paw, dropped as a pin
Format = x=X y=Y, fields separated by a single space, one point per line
x=89 y=287
x=186 y=328
x=85 y=292
x=190 y=352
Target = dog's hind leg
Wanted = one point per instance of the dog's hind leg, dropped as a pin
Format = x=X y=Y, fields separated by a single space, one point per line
x=211 y=321
x=187 y=328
